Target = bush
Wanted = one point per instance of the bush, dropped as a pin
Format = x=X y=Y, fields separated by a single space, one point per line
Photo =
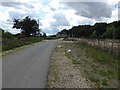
x=8 y=44
x=7 y=35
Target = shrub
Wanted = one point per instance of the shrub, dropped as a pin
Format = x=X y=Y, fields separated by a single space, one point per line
x=8 y=44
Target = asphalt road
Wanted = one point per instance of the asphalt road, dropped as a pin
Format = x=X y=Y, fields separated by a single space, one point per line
x=27 y=68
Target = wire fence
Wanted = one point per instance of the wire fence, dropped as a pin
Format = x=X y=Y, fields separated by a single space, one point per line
x=109 y=45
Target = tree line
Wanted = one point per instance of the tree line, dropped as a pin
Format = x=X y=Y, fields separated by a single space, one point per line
x=30 y=33
x=29 y=28
x=98 y=30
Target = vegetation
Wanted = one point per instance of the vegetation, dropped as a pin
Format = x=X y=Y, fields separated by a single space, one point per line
x=8 y=44
x=99 y=67
x=98 y=30
x=29 y=26
x=30 y=33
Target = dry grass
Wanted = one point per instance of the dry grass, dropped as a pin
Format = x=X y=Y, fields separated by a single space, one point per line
x=98 y=66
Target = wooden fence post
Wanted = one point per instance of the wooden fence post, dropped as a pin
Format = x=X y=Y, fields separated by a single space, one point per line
x=112 y=48
x=118 y=49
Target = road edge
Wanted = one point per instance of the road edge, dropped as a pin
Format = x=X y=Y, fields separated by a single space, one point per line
x=18 y=48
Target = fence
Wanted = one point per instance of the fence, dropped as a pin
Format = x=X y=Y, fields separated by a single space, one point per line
x=109 y=45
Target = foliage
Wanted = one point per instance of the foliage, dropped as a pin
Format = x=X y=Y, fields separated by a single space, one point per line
x=44 y=35
x=97 y=66
x=109 y=32
x=93 y=35
x=28 y=26
x=7 y=35
x=116 y=33
x=8 y=44
x=1 y=32
x=10 y=41
x=30 y=33
x=98 y=30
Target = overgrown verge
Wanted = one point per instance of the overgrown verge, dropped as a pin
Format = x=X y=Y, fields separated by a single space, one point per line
x=8 y=44
x=98 y=66
x=63 y=73
x=111 y=46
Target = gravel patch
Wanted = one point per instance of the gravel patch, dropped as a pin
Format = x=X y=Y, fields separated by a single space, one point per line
x=63 y=73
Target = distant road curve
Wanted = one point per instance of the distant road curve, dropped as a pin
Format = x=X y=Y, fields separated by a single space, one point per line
x=27 y=68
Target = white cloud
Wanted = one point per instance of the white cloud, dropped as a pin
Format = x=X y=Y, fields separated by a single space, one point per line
x=54 y=4
x=55 y=16
x=60 y=19
x=114 y=16
x=113 y=1
x=91 y=9
x=46 y=22
x=64 y=27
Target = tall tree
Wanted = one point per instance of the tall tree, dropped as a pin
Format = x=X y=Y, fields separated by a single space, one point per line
x=29 y=27
x=100 y=28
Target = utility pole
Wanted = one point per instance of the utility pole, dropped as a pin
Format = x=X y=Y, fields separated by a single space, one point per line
x=38 y=28
x=38 y=23
x=72 y=32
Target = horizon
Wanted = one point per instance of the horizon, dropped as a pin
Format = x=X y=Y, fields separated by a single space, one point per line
x=55 y=16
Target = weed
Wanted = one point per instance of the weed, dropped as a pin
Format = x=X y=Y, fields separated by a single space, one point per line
x=119 y=75
x=69 y=55
x=96 y=64
x=75 y=62
x=103 y=73
x=95 y=68
x=104 y=82
x=8 y=44
x=110 y=72
x=93 y=79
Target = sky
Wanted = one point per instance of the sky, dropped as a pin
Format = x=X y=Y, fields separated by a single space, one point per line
x=55 y=15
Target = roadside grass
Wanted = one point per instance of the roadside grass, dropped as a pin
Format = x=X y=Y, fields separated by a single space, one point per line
x=53 y=74
x=75 y=62
x=8 y=44
x=0 y=48
x=100 y=56
x=99 y=67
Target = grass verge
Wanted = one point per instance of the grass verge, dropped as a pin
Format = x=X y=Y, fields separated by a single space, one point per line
x=99 y=67
x=8 y=44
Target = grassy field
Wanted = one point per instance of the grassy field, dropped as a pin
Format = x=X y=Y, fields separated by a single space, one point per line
x=98 y=66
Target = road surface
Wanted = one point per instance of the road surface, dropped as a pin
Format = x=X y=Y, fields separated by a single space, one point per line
x=27 y=68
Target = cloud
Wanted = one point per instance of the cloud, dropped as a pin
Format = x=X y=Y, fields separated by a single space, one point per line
x=55 y=16
x=10 y=4
x=60 y=20
x=75 y=19
x=50 y=31
x=93 y=10
x=17 y=5
x=64 y=27
x=114 y=16
x=16 y=14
